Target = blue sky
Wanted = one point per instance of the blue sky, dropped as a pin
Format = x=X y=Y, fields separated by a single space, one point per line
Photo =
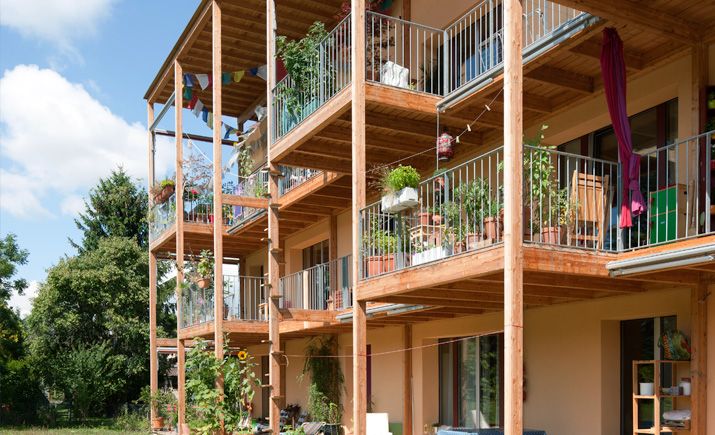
x=73 y=76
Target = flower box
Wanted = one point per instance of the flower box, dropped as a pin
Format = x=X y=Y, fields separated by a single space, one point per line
x=401 y=200
x=432 y=254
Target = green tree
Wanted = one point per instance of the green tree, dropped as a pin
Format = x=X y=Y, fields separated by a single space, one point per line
x=97 y=297
x=11 y=256
x=91 y=376
x=117 y=206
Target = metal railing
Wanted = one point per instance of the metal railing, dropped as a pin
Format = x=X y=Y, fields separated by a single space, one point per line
x=476 y=40
x=404 y=54
x=677 y=185
x=254 y=185
x=293 y=177
x=569 y=200
x=162 y=217
x=327 y=286
x=244 y=299
x=296 y=98
x=456 y=211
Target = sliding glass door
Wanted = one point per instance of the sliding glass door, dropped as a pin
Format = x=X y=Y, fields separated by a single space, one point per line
x=471 y=373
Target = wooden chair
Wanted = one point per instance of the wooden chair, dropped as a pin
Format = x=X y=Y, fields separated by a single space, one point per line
x=590 y=201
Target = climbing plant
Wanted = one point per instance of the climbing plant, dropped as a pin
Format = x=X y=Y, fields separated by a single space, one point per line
x=326 y=378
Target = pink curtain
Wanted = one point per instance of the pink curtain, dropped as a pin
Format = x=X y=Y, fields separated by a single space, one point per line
x=613 y=70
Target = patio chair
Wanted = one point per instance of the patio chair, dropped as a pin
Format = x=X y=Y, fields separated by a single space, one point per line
x=590 y=200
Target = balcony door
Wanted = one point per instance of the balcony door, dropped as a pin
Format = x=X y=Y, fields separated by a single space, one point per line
x=471 y=373
x=316 y=276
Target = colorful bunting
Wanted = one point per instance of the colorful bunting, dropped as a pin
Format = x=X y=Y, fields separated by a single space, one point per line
x=187 y=93
x=226 y=78
x=198 y=108
x=237 y=76
x=203 y=80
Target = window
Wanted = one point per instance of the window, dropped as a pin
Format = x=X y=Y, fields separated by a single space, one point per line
x=316 y=254
x=470 y=382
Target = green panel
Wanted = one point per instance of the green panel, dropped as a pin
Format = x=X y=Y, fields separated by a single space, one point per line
x=395 y=428
x=663 y=227
x=663 y=200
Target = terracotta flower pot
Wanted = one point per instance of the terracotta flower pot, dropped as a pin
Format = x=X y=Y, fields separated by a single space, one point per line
x=436 y=219
x=204 y=283
x=554 y=235
x=185 y=429
x=164 y=195
x=424 y=218
x=157 y=423
x=378 y=264
x=492 y=230
x=473 y=240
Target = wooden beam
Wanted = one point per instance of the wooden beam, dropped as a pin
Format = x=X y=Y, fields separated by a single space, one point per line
x=562 y=78
x=216 y=71
x=275 y=256
x=699 y=363
x=245 y=201
x=179 y=226
x=181 y=381
x=357 y=90
x=513 y=245
x=641 y=15
x=699 y=82
x=407 y=381
x=153 y=357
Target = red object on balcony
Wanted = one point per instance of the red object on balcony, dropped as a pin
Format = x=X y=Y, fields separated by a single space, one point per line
x=445 y=146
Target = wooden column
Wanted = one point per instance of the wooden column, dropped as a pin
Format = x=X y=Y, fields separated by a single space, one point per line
x=218 y=184
x=153 y=357
x=407 y=391
x=179 y=193
x=513 y=254
x=699 y=84
x=181 y=380
x=699 y=363
x=357 y=50
x=334 y=298
x=274 y=246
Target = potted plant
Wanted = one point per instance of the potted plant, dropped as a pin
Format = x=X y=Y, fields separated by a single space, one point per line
x=646 y=379
x=164 y=403
x=204 y=269
x=555 y=217
x=383 y=246
x=163 y=190
x=493 y=220
x=400 y=189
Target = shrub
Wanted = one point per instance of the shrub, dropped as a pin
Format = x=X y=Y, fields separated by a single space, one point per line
x=401 y=177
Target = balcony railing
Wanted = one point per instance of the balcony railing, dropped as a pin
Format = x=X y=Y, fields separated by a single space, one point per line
x=404 y=54
x=294 y=99
x=476 y=40
x=568 y=200
x=327 y=286
x=417 y=57
x=293 y=177
x=678 y=186
x=244 y=299
x=162 y=217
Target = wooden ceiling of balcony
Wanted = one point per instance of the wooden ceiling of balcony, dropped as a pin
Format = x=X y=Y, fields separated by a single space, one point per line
x=243 y=45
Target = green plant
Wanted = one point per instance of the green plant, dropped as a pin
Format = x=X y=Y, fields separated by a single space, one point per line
x=260 y=190
x=301 y=58
x=168 y=182
x=646 y=373
x=401 y=177
x=207 y=407
x=288 y=430
x=327 y=379
x=245 y=161
x=205 y=266
x=163 y=401
x=128 y=421
x=382 y=239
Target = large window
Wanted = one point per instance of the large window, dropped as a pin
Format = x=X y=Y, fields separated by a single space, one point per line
x=470 y=382
x=316 y=254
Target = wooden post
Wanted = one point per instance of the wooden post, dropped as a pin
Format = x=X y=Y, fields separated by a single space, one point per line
x=179 y=195
x=153 y=357
x=274 y=245
x=357 y=50
x=407 y=391
x=699 y=83
x=181 y=380
x=217 y=186
x=699 y=363
x=333 y=298
x=513 y=254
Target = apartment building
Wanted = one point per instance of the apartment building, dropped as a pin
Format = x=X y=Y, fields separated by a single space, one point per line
x=534 y=278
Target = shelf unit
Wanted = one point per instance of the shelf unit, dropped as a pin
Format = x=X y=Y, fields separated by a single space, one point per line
x=677 y=368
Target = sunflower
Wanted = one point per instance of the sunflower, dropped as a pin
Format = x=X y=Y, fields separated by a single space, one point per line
x=242 y=355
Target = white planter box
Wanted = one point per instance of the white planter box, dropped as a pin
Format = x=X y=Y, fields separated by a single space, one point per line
x=401 y=200
x=432 y=254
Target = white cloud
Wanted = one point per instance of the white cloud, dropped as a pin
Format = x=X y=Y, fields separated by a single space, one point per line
x=72 y=205
x=56 y=21
x=24 y=302
x=56 y=141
